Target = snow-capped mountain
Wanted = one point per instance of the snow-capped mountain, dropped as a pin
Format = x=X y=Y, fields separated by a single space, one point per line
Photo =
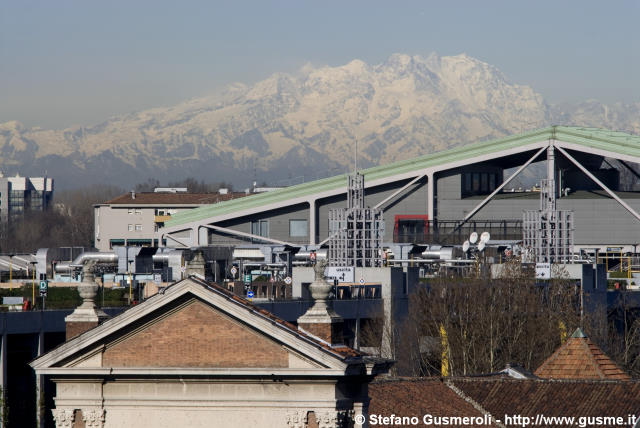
x=287 y=127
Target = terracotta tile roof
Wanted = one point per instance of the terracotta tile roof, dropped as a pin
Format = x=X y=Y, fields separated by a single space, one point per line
x=343 y=351
x=417 y=397
x=528 y=397
x=580 y=358
x=499 y=397
x=153 y=198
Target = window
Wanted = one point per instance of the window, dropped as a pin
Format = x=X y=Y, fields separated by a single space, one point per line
x=16 y=200
x=138 y=227
x=492 y=182
x=410 y=228
x=260 y=228
x=479 y=183
x=37 y=200
x=113 y=242
x=130 y=210
x=467 y=182
x=130 y=227
x=139 y=242
x=476 y=182
x=298 y=228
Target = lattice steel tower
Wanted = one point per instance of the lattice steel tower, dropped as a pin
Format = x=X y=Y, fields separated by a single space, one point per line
x=356 y=232
x=548 y=232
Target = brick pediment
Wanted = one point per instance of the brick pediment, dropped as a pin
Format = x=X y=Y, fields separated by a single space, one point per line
x=195 y=335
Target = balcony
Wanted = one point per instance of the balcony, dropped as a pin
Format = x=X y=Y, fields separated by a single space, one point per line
x=161 y=218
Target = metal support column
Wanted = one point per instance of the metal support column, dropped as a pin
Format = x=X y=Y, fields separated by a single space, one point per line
x=430 y=197
x=3 y=374
x=312 y=222
x=551 y=177
x=40 y=384
x=356 y=337
x=203 y=237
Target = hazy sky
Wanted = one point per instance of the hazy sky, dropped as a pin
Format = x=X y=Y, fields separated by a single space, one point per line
x=79 y=62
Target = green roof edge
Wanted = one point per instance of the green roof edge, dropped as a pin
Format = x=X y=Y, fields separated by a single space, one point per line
x=615 y=141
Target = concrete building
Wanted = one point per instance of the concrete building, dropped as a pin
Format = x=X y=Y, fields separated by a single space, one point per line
x=132 y=219
x=21 y=194
x=441 y=197
x=196 y=355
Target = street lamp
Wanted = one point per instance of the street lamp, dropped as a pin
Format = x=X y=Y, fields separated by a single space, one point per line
x=130 y=262
x=33 y=284
x=11 y=271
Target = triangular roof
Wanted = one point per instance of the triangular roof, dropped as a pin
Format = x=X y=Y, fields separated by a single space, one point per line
x=323 y=358
x=580 y=358
x=602 y=142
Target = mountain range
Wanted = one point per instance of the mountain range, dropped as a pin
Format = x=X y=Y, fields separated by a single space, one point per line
x=290 y=128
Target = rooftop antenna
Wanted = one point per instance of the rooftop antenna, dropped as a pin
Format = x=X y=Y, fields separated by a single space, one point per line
x=254 y=173
x=356 y=158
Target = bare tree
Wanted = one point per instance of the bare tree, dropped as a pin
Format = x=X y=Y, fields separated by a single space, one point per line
x=192 y=185
x=624 y=333
x=488 y=323
x=68 y=221
x=148 y=186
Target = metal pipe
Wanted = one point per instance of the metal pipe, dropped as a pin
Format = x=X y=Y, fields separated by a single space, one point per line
x=429 y=261
x=265 y=264
x=84 y=257
x=12 y=265
x=438 y=252
x=305 y=255
x=165 y=257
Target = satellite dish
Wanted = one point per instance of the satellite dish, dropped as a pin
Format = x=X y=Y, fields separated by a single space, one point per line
x=465 y=246
x=485 y=237
x=473 y=238
x=481 y=246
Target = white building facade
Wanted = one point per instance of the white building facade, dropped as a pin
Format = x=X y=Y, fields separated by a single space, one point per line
x=21 y=194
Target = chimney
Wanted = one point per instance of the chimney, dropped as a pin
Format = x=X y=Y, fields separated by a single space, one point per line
x=133 y=194
x=320 y=320
x=86 y=316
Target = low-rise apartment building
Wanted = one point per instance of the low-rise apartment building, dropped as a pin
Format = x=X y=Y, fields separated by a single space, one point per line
x=133 y=218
